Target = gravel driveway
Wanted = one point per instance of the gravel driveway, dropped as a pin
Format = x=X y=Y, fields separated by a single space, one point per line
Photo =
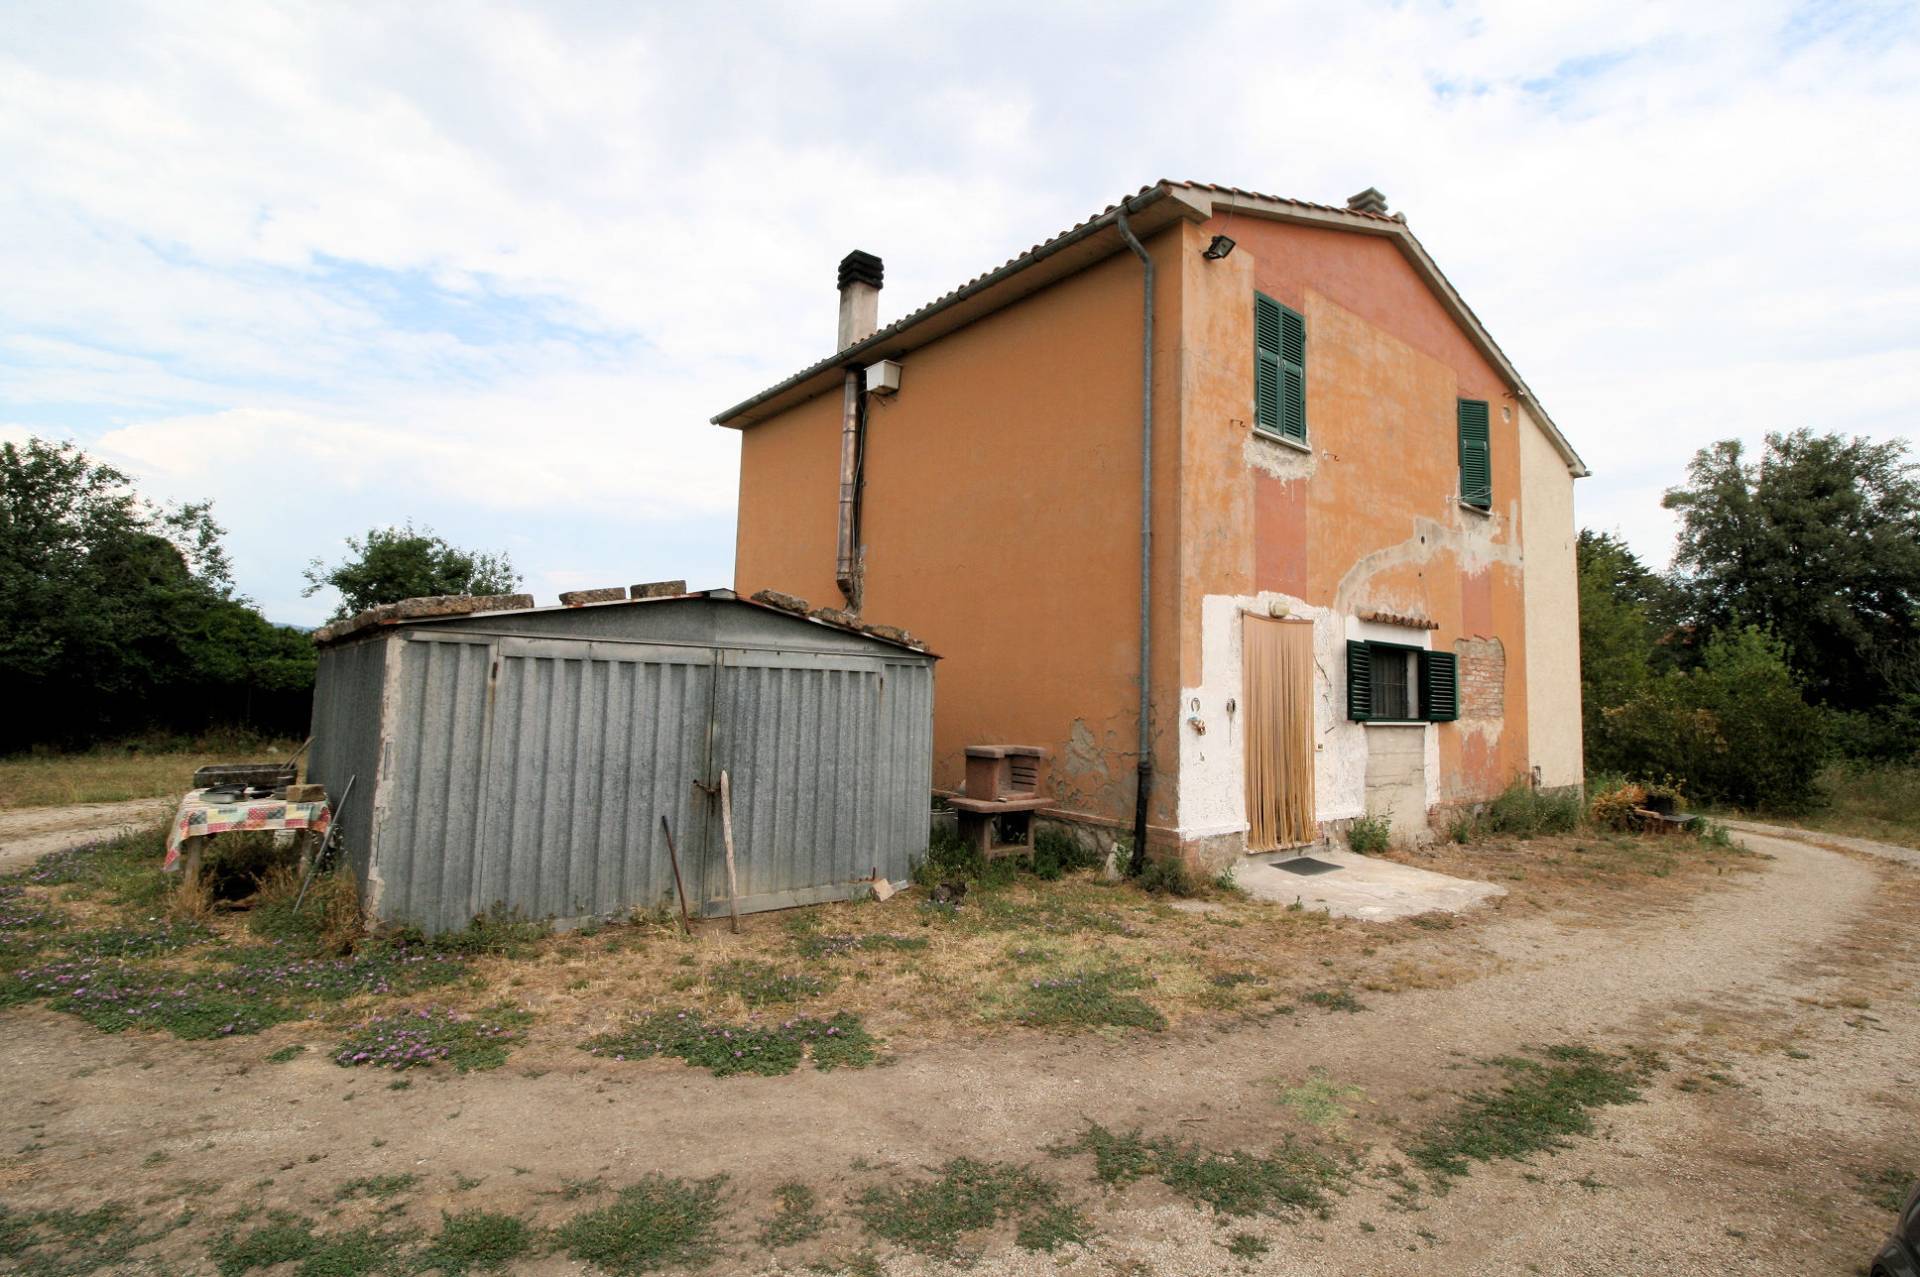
x=27 y=833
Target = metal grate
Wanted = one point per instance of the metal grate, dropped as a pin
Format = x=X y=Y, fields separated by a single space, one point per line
x=1306 y=866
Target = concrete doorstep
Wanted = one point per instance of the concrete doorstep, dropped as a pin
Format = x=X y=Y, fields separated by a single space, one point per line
x=1364 y=887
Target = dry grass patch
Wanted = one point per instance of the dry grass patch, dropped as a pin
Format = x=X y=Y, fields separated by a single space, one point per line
x=1589 y=871
x=117 y=773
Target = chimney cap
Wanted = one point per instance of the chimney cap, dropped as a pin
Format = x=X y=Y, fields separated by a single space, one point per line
x=860 y=268
x=1368 y=201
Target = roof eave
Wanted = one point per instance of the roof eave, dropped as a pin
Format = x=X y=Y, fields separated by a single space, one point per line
x=1094 y=240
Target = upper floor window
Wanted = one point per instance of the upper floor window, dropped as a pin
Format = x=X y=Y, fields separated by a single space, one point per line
x=1279 y=370
x=1476 y=454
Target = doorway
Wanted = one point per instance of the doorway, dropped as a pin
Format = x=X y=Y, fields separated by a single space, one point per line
x=1277 y=665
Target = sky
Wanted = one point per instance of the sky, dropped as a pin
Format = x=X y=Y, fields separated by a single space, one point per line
x=490 y=268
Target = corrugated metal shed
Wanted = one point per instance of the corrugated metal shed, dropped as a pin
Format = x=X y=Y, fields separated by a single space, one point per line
x=521 y=760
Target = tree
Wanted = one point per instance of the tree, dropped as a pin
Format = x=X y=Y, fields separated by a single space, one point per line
x=1735 y=730
x=1616 y=636
x=117 y=613
x=1818 y=542
x=390 y=564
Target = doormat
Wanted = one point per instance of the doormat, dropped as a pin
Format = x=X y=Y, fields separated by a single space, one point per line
x=1305 y=865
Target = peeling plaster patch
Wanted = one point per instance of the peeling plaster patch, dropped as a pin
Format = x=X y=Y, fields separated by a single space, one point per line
x=1470 y=538
x=1084 y=781
x=1277 y=459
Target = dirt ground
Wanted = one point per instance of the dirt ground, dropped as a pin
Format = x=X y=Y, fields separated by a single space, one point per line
x=28 y=833
x=1784 y=1001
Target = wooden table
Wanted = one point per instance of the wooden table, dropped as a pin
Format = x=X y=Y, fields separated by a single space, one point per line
x=200 y=820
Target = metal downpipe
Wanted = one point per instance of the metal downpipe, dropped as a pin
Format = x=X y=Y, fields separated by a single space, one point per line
x=1143 y=786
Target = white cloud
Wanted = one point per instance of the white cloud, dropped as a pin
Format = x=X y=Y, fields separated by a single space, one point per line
x=442 y=261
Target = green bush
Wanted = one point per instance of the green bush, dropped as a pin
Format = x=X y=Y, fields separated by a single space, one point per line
x=1737 y=728
x=1056 y=854
x=1522 y=811
x=1167 y=877
x=1370 y=834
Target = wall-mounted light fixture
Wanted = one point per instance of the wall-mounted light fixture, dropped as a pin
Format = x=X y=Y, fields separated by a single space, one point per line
x=1220 y=247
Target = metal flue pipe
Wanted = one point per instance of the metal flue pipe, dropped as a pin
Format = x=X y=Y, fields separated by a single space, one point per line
x=1143 y=784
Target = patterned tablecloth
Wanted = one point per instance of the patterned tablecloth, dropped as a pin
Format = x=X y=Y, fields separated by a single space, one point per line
x=197 y=817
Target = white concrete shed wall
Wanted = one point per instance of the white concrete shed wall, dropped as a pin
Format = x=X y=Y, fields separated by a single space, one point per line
x=1552 y=610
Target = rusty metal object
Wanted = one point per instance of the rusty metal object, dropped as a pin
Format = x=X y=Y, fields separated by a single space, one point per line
x=673 y=853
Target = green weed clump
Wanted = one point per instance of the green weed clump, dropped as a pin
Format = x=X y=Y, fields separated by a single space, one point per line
x=1090 y=998
x=654 y=1224
x=1371 y=834
x=1544 y=1100
x=1057 y=854
x=287 y=1238
x=1334 y=1000
x=381 y=971
x=122 y=869
x=965 y=1196
x=1887 y=1187
x=1286 y=1182
x=761 y=984
x=795 y=1219
x=817 y=945
x=1522 y=811
x=838 y=1041
x=477 y=1241
x=328 y=920
x=377 y=1186
x=1167 y=876
x=55 y=1243
x=497 y=933
x=418 y=1037
x=115 y=995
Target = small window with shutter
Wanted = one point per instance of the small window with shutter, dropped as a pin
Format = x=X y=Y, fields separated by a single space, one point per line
x=1393 y=683
x=1279 y=370
x=1476 y=454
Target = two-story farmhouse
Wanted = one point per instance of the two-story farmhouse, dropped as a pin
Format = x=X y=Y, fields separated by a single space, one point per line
x=1343 y=585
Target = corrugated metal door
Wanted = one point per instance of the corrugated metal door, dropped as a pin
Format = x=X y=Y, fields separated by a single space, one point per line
x=802 y=738
x=589 y=742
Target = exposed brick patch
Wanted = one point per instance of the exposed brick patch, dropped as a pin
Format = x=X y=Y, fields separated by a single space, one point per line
x=1483 y=677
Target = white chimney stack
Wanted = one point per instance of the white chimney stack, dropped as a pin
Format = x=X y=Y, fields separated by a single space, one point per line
x=860 y=275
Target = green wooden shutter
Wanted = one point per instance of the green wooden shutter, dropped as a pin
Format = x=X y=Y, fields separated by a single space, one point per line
x=1439 y=687
x=1293 y=375
x=1476 y=454
x=1266 y=363
x=1359 y=682
x=1280 y=369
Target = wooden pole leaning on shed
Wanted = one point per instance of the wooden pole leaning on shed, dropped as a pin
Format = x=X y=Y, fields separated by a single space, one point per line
x=686 y=918
x=726 y=833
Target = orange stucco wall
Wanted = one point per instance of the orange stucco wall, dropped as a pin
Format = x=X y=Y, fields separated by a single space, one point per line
x=1368 y=518
x=1001 y=523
